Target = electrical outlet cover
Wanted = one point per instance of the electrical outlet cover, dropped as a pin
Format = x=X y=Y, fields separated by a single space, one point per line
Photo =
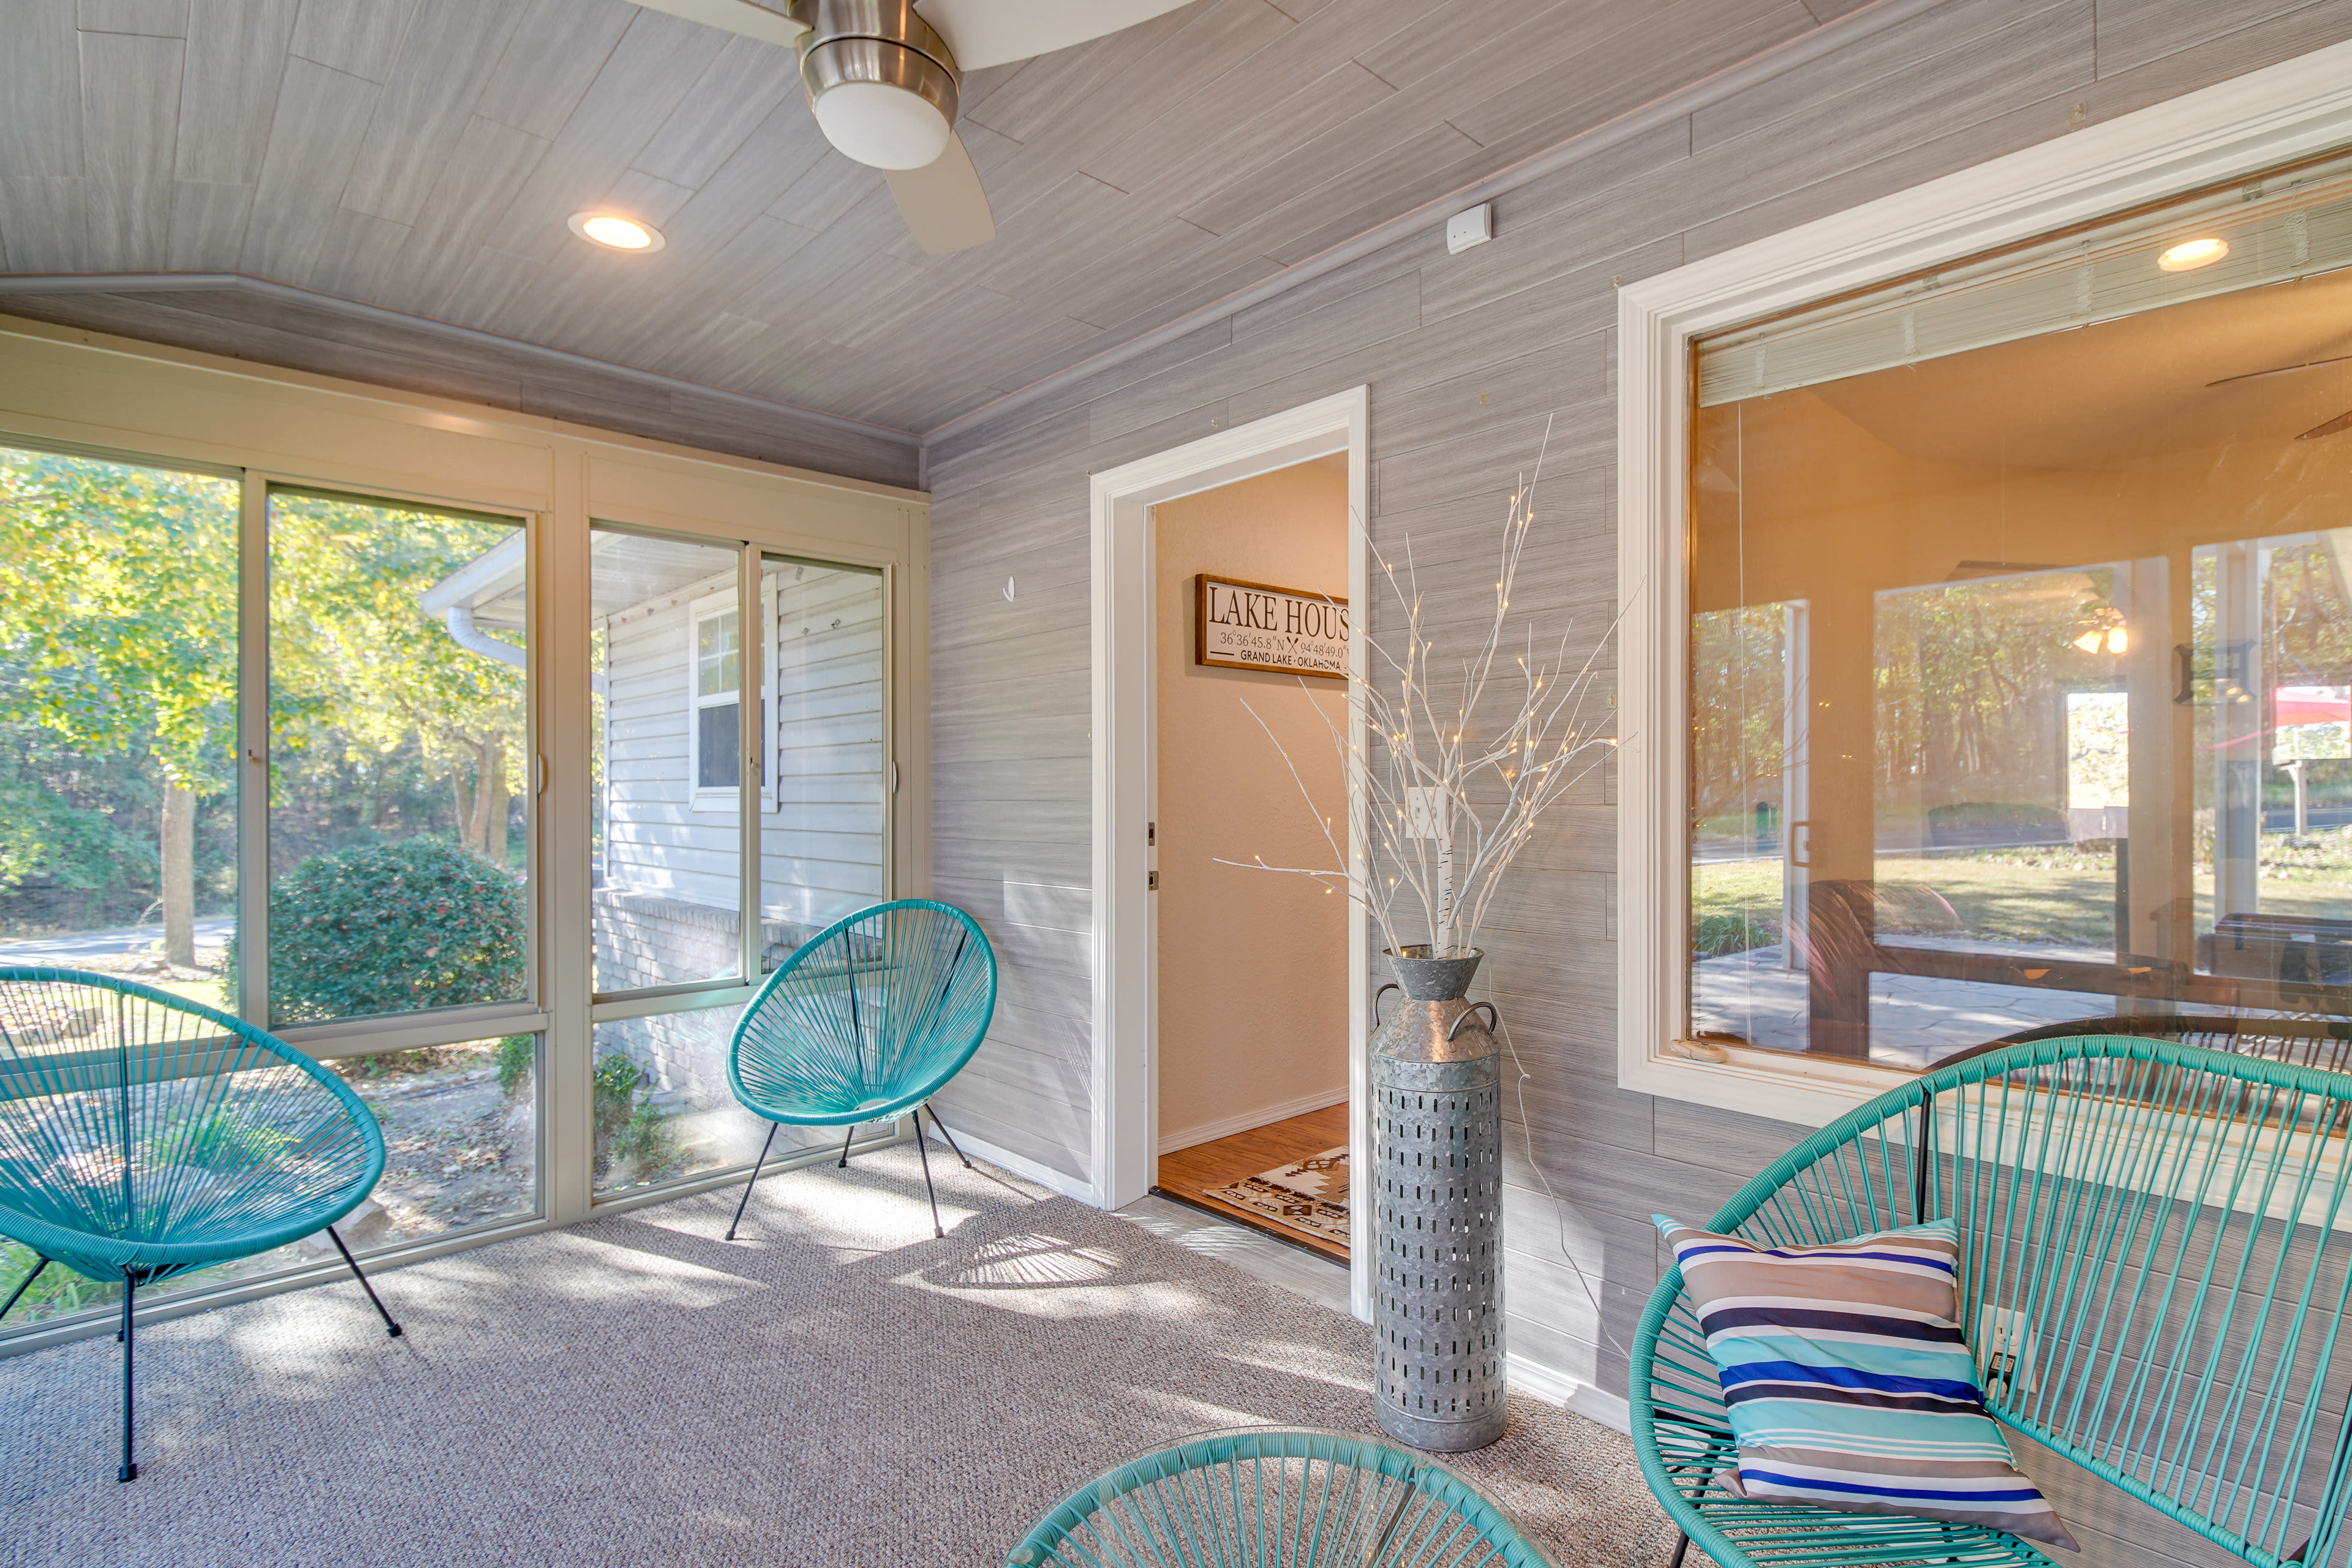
x=2005 y=1352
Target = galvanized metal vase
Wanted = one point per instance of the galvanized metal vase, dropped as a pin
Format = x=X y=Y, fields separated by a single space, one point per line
x=1437 y=1144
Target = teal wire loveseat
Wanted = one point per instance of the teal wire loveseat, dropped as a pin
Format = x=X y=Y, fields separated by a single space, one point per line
x=2156 y=1258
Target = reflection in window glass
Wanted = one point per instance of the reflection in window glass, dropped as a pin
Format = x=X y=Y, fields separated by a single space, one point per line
x=669 y=852
x=718 y=701
x=461 y=1141
x=118 y=719
x=397 y=854
x=663 y=1106
x=2021 y=678
x=821 y=834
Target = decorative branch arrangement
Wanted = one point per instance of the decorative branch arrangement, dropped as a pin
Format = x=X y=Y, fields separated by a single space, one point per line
x=1442 y=807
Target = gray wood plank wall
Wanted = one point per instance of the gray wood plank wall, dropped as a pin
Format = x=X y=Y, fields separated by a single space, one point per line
x=1468 y=359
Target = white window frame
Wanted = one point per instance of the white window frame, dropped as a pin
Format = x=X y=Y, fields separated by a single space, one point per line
x=711 y=797
x=764 y=725
x=2294 y=110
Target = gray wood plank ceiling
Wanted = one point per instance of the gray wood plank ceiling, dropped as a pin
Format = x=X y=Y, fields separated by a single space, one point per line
x=421 y=156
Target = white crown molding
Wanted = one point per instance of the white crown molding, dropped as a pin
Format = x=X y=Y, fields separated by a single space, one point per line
x=2220 y=134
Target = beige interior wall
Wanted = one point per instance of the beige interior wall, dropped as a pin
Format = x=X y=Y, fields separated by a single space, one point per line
x=1253 y=966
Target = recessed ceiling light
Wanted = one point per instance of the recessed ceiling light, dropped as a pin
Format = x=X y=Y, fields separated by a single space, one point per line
x=2192 y=254
x=615 y=232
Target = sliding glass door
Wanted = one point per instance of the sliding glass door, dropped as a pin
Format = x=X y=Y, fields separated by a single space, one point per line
x=741 y=760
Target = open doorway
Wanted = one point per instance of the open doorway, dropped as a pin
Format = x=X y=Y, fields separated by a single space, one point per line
x=1250 y=584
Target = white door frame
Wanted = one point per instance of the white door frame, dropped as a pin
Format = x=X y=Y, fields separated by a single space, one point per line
x=1124 y=724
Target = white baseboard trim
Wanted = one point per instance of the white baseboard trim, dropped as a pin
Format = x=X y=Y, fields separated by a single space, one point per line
x=1044 y=1175
x=1556 y=1387
x=1210 y=1132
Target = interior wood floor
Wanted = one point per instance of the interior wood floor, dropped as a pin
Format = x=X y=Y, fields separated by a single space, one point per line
x=1190 y=1173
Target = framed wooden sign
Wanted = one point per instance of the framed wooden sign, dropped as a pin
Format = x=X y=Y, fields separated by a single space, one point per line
x=1256 y=625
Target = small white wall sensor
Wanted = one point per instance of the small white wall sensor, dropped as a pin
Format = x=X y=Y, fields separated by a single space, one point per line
x=1475 y=226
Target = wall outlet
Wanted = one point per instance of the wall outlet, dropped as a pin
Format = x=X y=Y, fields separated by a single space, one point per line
x=2005 y=1353
x=1423 y=811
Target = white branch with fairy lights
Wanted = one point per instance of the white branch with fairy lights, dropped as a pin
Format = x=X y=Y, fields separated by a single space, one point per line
x=1442 y=800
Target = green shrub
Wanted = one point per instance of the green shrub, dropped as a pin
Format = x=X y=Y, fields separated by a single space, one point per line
x=516 y=1056
x=645 y=1140
x=628 y=1128
x=393 y=928
x=1719 y=936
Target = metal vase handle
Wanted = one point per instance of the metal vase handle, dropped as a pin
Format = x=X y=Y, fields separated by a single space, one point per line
x=1493 y=1019
x=1383 y=991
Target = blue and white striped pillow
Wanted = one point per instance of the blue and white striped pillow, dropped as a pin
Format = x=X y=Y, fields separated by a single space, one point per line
x=1847 y=1381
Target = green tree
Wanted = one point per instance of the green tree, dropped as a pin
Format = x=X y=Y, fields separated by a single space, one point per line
x=117 y=635
x=358 y=671
x=117 y=677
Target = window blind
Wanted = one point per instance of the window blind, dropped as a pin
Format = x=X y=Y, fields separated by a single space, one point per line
x=2290 y=225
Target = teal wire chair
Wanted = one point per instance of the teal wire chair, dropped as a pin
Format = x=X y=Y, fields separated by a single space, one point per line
x=143 y=1135
x=1276 y=1496
x=865 y=1021
x=2170 y=1226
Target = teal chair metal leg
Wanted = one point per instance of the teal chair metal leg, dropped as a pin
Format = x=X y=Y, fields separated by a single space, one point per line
x=925 y=1151
x=1682 y=1550
x=845 y=1137
x=390 y=1327
x=26 y=1283
x=752 y=1182
x=944 y=1133
x=129 y=1472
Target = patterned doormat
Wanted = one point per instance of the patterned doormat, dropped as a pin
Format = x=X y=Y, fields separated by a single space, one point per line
x=1310 y=1197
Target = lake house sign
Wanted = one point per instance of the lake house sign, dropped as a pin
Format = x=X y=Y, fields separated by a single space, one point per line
x=1256 y=625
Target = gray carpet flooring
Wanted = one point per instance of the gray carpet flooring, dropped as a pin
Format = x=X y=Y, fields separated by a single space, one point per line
x=838 y=1388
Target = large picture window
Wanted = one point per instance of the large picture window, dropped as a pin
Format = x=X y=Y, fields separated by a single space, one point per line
x=312 y=816
x=2020 y=644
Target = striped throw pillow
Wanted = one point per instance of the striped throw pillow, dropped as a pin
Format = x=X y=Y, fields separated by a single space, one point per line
x=1847 y=1381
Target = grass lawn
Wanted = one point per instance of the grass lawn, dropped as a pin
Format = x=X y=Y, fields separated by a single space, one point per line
x=2059 y=897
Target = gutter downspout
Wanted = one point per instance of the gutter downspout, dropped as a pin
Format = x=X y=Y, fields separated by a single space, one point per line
x=473 y=639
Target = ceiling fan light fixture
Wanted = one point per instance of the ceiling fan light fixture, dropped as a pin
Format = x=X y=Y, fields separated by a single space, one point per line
x=882 y=126
x=883 y=85
x=614 y=232
x=2191 y=254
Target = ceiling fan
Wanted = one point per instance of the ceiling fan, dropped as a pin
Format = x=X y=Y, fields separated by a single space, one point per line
x=882 y=77
x=2340 y=423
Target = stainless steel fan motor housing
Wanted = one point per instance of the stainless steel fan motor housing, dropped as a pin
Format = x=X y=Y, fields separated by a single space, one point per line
x=881 y=80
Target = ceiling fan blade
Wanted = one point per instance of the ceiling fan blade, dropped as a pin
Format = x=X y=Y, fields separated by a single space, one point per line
x=2341 y=422
x=944 y=203
x=744 y=16
x=2282 y=370
x=984 y=33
